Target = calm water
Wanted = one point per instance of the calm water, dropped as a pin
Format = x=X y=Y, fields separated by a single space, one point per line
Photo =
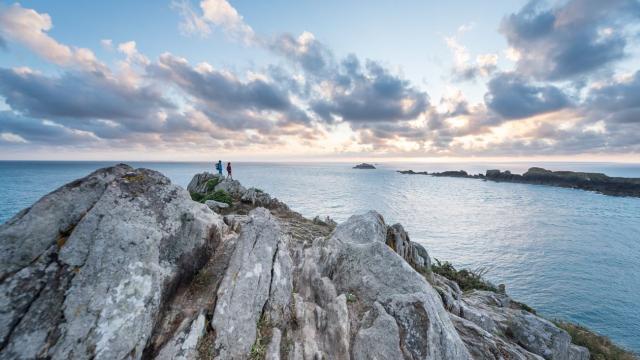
x=568 y=253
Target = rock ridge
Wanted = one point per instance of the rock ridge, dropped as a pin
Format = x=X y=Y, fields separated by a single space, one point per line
x=124 y=264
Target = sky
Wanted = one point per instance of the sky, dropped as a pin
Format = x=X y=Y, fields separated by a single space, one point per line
x=320 y=80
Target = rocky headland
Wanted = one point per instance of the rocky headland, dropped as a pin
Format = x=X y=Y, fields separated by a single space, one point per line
x=601 y=183
x=122 y=264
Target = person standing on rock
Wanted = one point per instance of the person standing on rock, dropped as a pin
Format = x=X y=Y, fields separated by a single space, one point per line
x=229 y=170
x=219 y=167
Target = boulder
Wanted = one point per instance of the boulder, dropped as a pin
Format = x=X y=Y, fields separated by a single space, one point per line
x=198 y=183
x=378 y=337
x=245 y=288
x=507 y=322
x=232 y=187
x=415 y=254
x=86 y=270
x=215 y=205
x=184 y=345
x=356 y=261
x=256 y=197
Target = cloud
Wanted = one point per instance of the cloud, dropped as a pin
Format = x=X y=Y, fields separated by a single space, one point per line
x=81 y=95
x=29 y=28
x=18 y=130
x=216 y=13
x=316 y=102
x=191 y=22
x=257 y=103
x=463 y=69
x=512 y=97
x=576 y=38
x=313 y=56
x=370 y=94
x=618 y=102
x=131 y=52
x=12 y=138
x=107 y=44
x=222 y=89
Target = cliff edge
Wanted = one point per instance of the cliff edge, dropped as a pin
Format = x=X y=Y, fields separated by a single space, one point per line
x=123 y=264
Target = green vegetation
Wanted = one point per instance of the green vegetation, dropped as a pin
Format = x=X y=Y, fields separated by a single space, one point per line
x=600 y=347
x=466 y=279
x=263 y=336
x=218 y=195
x=195 y=196
x=211 y=184
x=525 y=307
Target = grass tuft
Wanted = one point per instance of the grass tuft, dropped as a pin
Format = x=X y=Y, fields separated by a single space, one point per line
x=466 y=279
x=218 y=195
x=600 y=347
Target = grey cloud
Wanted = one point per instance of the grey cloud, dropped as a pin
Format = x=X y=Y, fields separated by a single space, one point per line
x=232 y=103
x=618 y=102
x=81 y=95
x=471 y=73
x=567 y=41
x=313 y=56
x=512 y=97
x=38 y=131
x=221 y=89
x=371 y=95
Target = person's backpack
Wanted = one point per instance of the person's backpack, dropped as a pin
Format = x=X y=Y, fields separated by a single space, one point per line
x=218 y=167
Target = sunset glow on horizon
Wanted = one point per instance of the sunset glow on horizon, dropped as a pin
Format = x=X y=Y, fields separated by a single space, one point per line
x=326 y=81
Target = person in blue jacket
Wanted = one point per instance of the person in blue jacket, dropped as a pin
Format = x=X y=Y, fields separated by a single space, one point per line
x=219 y=167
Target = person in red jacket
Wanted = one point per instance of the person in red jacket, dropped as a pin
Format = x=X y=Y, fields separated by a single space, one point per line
x=229 y=171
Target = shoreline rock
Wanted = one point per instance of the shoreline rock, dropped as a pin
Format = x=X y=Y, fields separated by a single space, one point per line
x=596 y=182
x=123 y=264
x=364 y=166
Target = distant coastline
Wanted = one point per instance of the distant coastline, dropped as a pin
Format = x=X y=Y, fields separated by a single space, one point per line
x=597 y=182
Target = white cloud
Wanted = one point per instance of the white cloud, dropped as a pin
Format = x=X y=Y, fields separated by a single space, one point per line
x=107 y=44
x=133 y=56
x=12 y=138
x=463 y=69
x=29 y=28
x=218 y=13
x=191 y=22
x=466 y=27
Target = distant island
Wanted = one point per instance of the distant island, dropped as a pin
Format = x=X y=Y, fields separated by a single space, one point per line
x=598 y=182
x=364 y=166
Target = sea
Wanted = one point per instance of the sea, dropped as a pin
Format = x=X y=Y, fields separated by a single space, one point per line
x=569 y=254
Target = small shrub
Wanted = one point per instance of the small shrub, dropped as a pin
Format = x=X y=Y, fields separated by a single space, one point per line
x=600 y=347
x=218 y=195
x=466 y=279
x=195 y=196
x=525 y=307
x=211 y=184
x=259 y=190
